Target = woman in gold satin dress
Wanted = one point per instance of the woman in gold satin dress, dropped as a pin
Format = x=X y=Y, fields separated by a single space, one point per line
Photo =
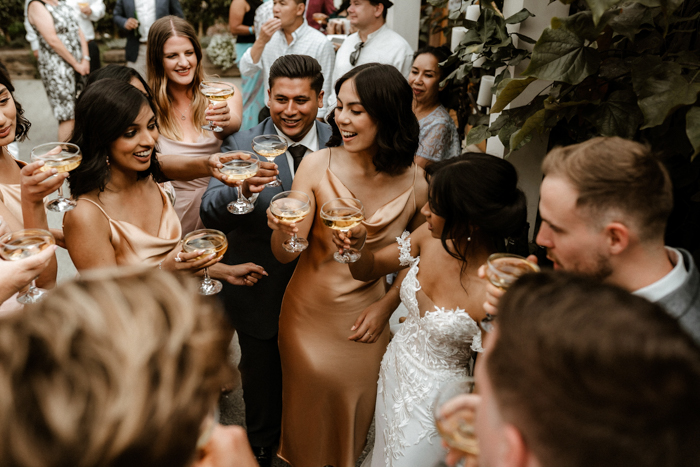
x=123 y=217
x=330 y=374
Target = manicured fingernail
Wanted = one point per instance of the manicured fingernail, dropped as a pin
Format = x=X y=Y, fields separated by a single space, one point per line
x=353 y=328
x=211 y=256
x=264 y=273
x=200 y=252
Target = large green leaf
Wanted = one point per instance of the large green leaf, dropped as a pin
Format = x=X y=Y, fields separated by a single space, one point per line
x=536 y=122
x=582 y=24
x=508 y=90
x=477 y=134
x=629 y=22
x=599 y=7
x=561 y=55
x=668 y=6
x=619 y=115
x=661 y=89
x=519 y=17
x=692 y=128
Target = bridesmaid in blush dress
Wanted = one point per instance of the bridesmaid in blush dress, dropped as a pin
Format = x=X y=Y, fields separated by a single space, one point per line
x=329 y=372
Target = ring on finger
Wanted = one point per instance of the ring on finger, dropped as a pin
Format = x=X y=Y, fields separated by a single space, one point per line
x=178 y=259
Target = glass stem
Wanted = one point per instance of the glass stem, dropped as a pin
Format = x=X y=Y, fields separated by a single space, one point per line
x=240 y=194
x=293 y=240
x=32 y=287
x=207 y=279
x=60 y=191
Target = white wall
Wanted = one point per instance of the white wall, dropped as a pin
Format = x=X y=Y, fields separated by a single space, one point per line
x=404 y=18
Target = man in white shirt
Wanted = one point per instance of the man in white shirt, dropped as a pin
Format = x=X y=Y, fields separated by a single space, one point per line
x=373 y=41
x=136 y=18
x=288 y=33
x=86 y=11
x=604 y=205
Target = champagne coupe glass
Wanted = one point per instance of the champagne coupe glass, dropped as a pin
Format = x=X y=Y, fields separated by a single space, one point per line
x=270 y=146
x=63 y=157
x=343 y=214
x=244 y=166
x=502 y=270
x=290 y=207
x=213 y=242
x=456 y=425
x=215 y=91
x=22 y=244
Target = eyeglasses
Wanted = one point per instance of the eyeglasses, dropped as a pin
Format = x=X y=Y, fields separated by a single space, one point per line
x=355 y=55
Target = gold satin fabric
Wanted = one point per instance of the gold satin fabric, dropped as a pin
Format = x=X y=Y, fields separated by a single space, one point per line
x=132 y=245
x=10 y=196
x=329 y=384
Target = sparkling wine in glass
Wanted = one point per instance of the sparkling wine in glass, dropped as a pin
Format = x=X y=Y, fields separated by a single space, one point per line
x=212 y=242
x=215 y=91
x=343 y=214
x=63 y=157
x=502 y=270
x=290 y=207
x=454 y=418
x=22 y=244
x=270 y=146
x=244 y=166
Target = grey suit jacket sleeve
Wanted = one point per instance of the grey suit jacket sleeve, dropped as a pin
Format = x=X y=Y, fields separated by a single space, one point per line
x=119 y=15
x=176 y=8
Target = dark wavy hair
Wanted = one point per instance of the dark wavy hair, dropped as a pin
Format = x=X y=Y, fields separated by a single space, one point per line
x=121 y=73
x=388 y=99
x=441 y=54
x=102 y=115
x=22 y=124
x=478 y=196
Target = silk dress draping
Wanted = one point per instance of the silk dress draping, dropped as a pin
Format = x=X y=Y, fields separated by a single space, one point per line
x=188 y=195
x=329 y=383
x=10 y=196
x=132 y=245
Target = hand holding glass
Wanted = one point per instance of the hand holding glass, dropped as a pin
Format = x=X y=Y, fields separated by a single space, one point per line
x=22 y=244
x=215 y=91
x=244 y=166
x=343 y=214
x=63 y=157
x=212 y=242
x=502 y=270
x=290 y=207
x=455 y=420
x=270 y=146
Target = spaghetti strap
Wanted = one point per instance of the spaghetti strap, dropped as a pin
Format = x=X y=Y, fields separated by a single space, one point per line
x=98 y=207
x=329 y=158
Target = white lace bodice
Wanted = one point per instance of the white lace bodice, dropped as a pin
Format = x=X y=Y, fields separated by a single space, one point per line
x=426 y=353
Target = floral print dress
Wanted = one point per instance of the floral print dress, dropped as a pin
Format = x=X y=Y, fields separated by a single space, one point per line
x=56 y=74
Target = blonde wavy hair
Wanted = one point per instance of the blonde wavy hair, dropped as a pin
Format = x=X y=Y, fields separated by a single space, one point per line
x=117 y=368
x=162 y=30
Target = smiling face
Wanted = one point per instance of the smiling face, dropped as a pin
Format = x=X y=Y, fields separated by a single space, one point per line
x=289 y=12
x=132 y=151
x=573 y=241
x=362 y=14
x=358 y=129
x=294 y=106
x=424 y=79
x=8 y=117
x=179 y=60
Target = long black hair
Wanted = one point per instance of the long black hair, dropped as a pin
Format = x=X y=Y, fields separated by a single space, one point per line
x=120 y=72
x=388 y=99
x=478 y=196
x=103 y=113
x=22 y=124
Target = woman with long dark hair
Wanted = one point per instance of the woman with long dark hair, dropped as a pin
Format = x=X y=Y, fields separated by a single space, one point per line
x=329 y=380
x=123 y=216
x=474 y=205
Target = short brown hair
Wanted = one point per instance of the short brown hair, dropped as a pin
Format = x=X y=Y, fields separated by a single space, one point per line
x=118 y=368
x=616 y=176
x=594 y=376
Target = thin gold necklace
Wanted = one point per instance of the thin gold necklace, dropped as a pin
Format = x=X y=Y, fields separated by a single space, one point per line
x=182 y=116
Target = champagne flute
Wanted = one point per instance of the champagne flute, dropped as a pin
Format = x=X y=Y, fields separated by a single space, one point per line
x=270 y=146
x=502 y=270
x=213 y=242
x=243 y=167
x=22 y=244
x=456 y=426
x=63 y=157
x=343 y=214
x=215 y=91
x=290 y=207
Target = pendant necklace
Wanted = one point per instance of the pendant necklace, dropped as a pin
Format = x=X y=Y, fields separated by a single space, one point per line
x=182 y=116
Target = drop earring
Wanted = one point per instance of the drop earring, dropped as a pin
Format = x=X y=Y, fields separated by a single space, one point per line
x=107 y=161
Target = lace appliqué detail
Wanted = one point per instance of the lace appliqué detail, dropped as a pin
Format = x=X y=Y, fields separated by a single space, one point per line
x=404 y=241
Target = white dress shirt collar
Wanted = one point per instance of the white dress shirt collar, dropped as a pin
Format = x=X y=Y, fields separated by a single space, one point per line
x=670 y=282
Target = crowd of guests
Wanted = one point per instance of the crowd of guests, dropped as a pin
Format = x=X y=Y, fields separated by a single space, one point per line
x=124 y=365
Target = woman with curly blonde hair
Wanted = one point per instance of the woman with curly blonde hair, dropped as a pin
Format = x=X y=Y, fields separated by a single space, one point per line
x=175 y=72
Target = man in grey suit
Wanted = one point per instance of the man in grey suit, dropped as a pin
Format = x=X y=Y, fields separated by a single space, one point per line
x=136 y=18
x=295 y=96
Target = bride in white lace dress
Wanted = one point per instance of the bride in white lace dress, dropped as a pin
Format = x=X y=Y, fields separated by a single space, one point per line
x=474 y=206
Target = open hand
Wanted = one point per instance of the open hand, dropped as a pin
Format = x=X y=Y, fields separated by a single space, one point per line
x=371 y=323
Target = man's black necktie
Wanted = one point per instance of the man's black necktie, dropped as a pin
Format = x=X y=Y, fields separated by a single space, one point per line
x=297 y=153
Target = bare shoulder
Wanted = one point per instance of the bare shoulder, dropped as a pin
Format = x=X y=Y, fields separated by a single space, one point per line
x=86 y=218
x=312 y=166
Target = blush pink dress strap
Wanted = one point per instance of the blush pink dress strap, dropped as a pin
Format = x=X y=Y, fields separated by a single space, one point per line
x=133 y=245
x=330 y=383
x=188 y=195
